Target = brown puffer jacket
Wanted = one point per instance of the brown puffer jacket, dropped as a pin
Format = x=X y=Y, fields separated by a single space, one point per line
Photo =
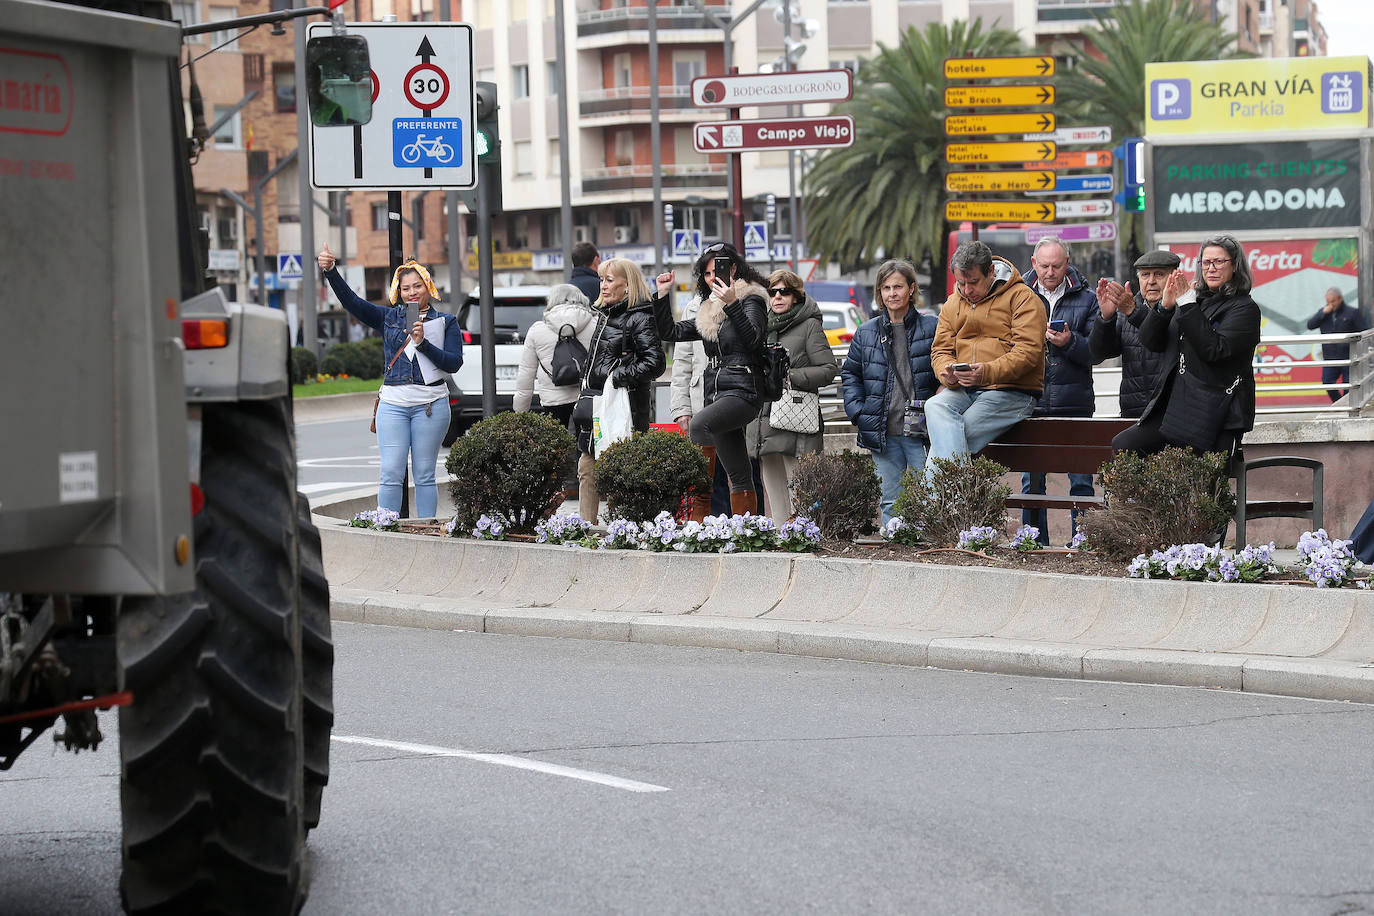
x=1005 y=332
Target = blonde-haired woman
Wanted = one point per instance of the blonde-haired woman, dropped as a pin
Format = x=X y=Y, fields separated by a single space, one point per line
x=626 y=349
x=794 y=320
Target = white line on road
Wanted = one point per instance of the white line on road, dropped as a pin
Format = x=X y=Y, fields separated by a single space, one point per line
x=505 y=760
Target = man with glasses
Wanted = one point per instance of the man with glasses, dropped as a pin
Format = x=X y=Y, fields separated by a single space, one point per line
x=989 y=354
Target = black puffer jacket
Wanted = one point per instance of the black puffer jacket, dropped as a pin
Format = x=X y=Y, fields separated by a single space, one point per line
x=733 y=336
x=1208 y=347
x=1140 y=366
x=625 y=346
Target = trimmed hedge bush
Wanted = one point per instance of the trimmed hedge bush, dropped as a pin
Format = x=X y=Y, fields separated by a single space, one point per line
x=509 y=466
x=304 y=365
x=649 y=473
x=961 y=493
x=839 y=492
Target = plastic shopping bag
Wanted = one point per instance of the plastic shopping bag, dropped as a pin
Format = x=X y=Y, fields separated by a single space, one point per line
x=610 y=417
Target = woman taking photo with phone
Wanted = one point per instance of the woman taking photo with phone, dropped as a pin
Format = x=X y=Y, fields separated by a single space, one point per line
x=731 y=324
x=411 y=413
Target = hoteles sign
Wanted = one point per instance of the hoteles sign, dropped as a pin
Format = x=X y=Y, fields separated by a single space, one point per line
x=1256 y=185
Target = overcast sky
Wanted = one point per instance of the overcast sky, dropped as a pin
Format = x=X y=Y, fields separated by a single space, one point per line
x=1349 y=26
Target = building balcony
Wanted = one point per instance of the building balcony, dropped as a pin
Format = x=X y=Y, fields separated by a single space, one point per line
x=1266 y=22
x=636 y=18
x=632 y=177
x=1047 y=11
x=621 y=100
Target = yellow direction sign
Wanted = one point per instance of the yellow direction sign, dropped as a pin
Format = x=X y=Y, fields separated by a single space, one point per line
x=966 y=182
x=977 y=68
x=1037 y=122
x=1021 y=151
x=991 y=96
x=997 y=211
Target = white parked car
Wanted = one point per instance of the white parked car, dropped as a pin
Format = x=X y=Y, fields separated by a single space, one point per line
x=517 y=308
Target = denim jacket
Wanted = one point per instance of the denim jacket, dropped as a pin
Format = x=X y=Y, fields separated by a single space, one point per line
x=391 y=320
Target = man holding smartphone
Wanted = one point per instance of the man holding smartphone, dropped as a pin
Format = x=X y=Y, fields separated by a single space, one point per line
x=1070 y=306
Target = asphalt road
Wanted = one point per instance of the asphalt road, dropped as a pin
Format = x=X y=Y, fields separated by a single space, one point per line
x=488 y=774
x=337 y=456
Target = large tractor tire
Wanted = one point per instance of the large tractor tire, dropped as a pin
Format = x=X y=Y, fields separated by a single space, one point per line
x=317 y=657
x=211 y=750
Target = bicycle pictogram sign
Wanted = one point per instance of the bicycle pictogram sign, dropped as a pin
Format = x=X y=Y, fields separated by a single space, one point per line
x=426 y=143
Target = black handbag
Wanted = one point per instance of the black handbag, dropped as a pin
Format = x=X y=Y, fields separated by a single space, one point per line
x=1197 y=412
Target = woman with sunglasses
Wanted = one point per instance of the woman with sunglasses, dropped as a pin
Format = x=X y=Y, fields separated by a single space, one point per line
x=794 y=321
x=1205 y=398
x=731 y=324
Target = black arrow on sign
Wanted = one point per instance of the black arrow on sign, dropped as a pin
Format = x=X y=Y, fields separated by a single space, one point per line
x=1045 y=95
x=425 y=52
x=1044 y=65
x=1045 y=212
x=1045 y=179
x=1045 y=122
x=1045 y=150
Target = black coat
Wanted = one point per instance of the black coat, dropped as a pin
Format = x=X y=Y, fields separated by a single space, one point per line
x=733 y=336
x=625 y=347
x=866 y=378
x=1068 y=388
x=1140 y=366
x=1208 y=348
x=588 y=281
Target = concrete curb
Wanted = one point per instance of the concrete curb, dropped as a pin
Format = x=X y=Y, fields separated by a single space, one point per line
x=1279 y=639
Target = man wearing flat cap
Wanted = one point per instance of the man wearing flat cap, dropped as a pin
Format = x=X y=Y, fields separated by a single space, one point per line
x=1116 y=330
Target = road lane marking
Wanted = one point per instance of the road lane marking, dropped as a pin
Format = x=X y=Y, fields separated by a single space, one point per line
x=505 y=760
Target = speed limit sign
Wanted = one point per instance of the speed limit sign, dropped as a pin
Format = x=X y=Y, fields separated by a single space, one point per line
x=421 y=133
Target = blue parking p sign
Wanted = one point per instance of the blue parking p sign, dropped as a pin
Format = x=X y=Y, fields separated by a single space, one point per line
x=426 y=143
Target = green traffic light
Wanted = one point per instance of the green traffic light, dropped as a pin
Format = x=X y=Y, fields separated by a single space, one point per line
x=482 y=143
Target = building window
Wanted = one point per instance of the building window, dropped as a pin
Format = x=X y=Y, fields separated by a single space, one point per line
x=518 y=232
x=417 y=211
x=624 y=147
x=520 y=80
x=187 y=12
x=258 y=162
x=519 y=10
x=551 y=226
x=220 y=14
x=849 y=63
x=551 y=77
x=487 y=74
x=524 y=157
x=228 y=136
x=620 y=69
x=379 y=218
x=555 y=167
x=687 y=65
x=226 y=226
x=339 y=199
x=284 y=87
x=684 y=151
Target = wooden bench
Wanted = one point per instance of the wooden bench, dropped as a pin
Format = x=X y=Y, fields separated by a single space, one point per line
x=1080 y=445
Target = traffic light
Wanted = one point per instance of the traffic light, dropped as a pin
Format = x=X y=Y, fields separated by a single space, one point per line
x=488 y=130
x=1134 y=198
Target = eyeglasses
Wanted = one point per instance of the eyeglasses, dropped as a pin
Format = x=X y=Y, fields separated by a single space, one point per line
x=780 y=291
x=1215 y=264
x=718 y=246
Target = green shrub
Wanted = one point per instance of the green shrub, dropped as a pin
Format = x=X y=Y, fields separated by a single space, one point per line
x=509 y=466
x=961 y=493
x=304 y=365
x=370 y=362
x=839 y=492
x=357 y=362
x=1175 y=496
x=649 y=473
x=332 y=365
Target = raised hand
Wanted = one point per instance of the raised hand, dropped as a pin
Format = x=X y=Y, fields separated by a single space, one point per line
x=664 y=282
x=325 y=259
x=1175 y=287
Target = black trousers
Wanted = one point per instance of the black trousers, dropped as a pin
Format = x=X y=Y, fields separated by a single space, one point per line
x=721 y=423
x=1145 y=438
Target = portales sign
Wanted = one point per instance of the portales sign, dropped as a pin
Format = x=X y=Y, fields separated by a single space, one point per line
x=1257 y=185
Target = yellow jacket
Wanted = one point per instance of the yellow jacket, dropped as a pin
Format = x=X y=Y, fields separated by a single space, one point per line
x=1005 y=332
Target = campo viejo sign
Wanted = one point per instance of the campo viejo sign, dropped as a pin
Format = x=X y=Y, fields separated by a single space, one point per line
x=1295 y=185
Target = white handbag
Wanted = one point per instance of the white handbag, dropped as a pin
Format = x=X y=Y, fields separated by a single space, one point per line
x=796 y=411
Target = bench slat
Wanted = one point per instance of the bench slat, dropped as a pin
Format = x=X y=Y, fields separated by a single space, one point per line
x=1047 y=501
x=1049 y=459
x=1059 y=431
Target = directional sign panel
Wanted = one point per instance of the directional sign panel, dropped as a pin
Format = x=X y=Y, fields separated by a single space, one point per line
x=421 y=133
x=794 y=88
x=1072 y=208
x=999 y=123
x=999 y=152
x=1075 y=136
x=1092 y=159
x=998 y=96
x=996 y=211
x=965 y=182
x=829 y=131
x=1073 y=232
x=1074 y=184
x=978 y=68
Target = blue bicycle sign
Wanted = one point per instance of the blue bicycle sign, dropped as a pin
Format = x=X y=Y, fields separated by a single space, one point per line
x=426 y=143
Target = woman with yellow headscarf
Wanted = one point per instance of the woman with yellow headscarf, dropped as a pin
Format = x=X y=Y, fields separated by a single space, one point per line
x=412 y=409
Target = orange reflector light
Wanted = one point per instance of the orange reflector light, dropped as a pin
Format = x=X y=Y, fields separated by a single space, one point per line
x=204 y=335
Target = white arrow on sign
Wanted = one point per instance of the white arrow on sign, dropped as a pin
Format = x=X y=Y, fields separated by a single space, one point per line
x=1075 y=136
x=706 y=136
x=1072 y=208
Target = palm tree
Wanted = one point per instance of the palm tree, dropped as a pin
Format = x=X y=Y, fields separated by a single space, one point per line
x=1107 y=85
x=887 y=190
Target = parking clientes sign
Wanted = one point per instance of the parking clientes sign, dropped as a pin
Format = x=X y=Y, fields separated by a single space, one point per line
x=1287 y=94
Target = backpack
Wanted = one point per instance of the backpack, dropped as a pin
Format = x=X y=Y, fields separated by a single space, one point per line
x=776 y=365
x=569 y=358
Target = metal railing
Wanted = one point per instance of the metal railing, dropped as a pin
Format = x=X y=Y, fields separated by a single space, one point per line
x=642 y=11
x=647 y=171
x=615 y=93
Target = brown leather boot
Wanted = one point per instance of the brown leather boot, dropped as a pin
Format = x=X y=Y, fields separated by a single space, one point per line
x=744 y=501
x=701 y=503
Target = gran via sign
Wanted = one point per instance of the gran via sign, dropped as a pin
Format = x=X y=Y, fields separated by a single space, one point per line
x=1226 y=186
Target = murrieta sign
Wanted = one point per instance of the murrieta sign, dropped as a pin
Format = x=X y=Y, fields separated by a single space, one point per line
x=1230 y=186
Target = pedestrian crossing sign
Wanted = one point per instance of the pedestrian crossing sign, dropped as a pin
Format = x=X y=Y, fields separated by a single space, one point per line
x=686 y=243
x=756 y=239
x=289 y=266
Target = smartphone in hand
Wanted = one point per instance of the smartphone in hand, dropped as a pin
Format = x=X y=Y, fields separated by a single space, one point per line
x=962 y=367
x=1058 y=325
x=412 y=315
x=723 y=268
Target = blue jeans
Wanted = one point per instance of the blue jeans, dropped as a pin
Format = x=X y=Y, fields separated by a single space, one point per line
x=403 y=431
x=964 y=420
x=1079 y=485
x=898 y=454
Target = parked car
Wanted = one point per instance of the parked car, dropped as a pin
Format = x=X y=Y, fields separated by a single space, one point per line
x=839 y=320
x=846 y=291
x=517 y=309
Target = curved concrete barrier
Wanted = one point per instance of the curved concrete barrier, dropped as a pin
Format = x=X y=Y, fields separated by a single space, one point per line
x=1268 y=638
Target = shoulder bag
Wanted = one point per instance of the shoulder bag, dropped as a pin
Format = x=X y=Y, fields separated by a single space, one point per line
x=378 y=400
